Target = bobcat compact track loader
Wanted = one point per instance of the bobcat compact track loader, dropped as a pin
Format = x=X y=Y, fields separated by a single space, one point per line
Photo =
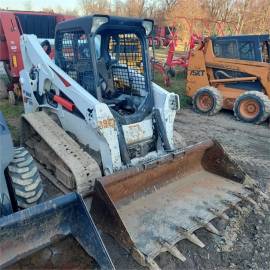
x=100 y=126
x=23 y=232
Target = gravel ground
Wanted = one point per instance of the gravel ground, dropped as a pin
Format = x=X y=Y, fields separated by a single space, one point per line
x=245 y=240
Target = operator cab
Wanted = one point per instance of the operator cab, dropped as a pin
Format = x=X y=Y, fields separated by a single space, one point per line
x=243 y=47
x=253 y=48
x=108 y=57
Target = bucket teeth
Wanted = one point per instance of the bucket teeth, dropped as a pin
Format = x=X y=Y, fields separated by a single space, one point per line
x=211 y=228
x=246 y=198
x=176 y=253
x=238 y=208
x=152 y=265
x=190 y=237
x=235 y=206
x=224 y=216
x=256 y=190
x=219 y=214
x=173 y=250
x=194 y=239
x=256 y=206
x=208 y=226
x=260 y=193
x=250 y=200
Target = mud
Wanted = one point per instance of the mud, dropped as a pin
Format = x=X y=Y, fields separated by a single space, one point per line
x=245 y=240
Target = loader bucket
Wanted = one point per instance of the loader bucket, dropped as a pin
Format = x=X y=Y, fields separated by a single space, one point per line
x=148 y=210
x=27 y=231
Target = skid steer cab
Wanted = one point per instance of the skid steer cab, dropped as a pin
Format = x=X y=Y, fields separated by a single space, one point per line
x=231 y=72
x=100 y=88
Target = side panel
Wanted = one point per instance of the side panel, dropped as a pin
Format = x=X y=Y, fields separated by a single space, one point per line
x=229 y=95
x=167 y=104
x=196 y=73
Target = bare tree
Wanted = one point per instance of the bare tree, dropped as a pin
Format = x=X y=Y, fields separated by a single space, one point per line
x=95 y=6
x=255 y=16
x=169 y=4
x=221 y=9
x=119 y=8
x=135 y=8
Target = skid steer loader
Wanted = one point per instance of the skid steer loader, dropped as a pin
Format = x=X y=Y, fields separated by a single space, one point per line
x=231 y=72
x=100 y=126
x=23 y=232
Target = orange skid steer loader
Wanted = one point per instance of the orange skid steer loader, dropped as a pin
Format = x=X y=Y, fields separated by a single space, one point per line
x=232 y=73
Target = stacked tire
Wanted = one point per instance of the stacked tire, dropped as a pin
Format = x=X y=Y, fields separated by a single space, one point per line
x=25 y=177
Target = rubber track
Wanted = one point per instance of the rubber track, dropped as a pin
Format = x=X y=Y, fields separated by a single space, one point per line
x=83 y=167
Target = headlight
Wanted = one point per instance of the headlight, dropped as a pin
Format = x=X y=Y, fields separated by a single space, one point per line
x=97 y=22
x=148 y=26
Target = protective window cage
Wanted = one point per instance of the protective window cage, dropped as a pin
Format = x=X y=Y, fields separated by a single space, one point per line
x=75 y=58
x=128 y=70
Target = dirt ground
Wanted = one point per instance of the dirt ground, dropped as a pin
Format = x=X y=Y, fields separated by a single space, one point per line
x=245 y=240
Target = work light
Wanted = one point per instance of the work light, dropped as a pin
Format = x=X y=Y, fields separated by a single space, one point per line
x=148 y=26
x=97 y=22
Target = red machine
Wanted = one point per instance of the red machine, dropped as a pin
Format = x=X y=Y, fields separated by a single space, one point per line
x=182 y=61
x=12 y=25
x=172 y=62
x=205 y=27
x=161 y=36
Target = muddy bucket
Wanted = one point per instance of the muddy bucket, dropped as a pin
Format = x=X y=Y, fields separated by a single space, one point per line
x=30 y=230
x=150 y=209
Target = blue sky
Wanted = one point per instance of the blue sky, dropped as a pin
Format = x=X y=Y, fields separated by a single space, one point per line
x=38 y=4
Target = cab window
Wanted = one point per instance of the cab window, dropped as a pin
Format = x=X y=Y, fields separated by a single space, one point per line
x=226 y=49
x=265 y=51
x=247 y=51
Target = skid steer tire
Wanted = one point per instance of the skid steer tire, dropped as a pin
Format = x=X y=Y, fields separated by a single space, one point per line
x=252 y=107
x=25 y=177
x=207 y=100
